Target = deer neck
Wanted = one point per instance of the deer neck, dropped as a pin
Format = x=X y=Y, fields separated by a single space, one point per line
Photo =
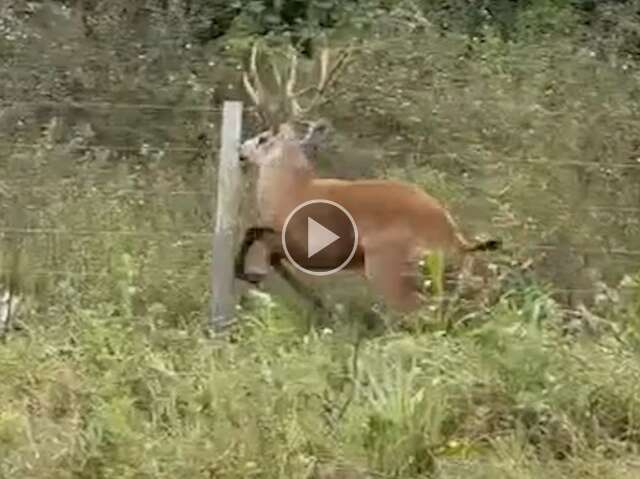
x=281 y=187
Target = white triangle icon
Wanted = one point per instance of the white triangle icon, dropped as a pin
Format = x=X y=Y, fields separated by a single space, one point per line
x=318 y=237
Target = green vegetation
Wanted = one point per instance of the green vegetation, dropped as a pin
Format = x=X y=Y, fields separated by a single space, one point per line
x=523 y=116
x=88 y=393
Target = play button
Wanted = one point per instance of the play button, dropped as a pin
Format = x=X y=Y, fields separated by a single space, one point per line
x=320 y=237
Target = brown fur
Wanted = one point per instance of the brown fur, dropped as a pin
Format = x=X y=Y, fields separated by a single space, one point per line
x=397 y=222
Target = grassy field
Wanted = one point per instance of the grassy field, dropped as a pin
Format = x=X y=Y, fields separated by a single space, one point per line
x=108 y=373
x=94 y=392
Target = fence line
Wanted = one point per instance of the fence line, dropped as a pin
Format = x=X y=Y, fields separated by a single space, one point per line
x=511 y=161
x=177 y=233
x=563 y=163
x=208 y=235
x=169 y=83
x=168 y=124
x=90 y=232
x=494 y=163
x=115 y=192
x=583 y=164
x=104 y=104
x=86 y=274
x=35 y=146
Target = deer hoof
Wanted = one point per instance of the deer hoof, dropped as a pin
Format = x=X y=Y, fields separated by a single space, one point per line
x=252 y=278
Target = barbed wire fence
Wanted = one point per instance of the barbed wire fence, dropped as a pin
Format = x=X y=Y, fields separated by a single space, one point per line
x=224 y=196
x=220 y=235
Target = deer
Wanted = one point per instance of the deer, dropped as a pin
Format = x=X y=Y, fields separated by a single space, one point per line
x=397 y=222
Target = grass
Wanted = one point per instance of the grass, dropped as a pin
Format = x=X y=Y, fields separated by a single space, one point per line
x=90 y=394
x=111 y=376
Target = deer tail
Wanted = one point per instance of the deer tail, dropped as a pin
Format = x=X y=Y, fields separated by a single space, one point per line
x=488 y=245
x=470 y=247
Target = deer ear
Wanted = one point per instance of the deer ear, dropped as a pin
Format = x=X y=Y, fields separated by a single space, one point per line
x=317 y=133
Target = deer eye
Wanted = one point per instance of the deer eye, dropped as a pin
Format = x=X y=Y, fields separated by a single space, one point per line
x=262 y=140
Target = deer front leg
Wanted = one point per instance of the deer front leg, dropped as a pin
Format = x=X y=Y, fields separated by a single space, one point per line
x=251 y=236
x=297 y=285
x=271 y=255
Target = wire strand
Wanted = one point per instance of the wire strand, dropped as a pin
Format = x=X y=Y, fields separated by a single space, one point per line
x=87 y=274
x=195 y=234
x=115 y=191
x=169 y=149
x=110 y=105
x=495 y=163
x=169 y=273
x=92 y=232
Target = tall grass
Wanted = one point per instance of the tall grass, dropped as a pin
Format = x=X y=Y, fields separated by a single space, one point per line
x=87 y=393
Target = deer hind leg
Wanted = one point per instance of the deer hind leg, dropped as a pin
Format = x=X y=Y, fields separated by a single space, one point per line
x=392 y=270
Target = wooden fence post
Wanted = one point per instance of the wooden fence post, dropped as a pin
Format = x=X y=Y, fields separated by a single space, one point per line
x=227 y=210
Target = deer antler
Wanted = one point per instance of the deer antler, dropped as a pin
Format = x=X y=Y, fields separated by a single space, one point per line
x=258 y=94
x=257 y=91
x=327 y=77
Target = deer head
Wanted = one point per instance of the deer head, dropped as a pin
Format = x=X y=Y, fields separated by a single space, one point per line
x=268 y=147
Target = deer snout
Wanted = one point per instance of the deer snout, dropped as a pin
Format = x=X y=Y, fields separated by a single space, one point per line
x=242 y=155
